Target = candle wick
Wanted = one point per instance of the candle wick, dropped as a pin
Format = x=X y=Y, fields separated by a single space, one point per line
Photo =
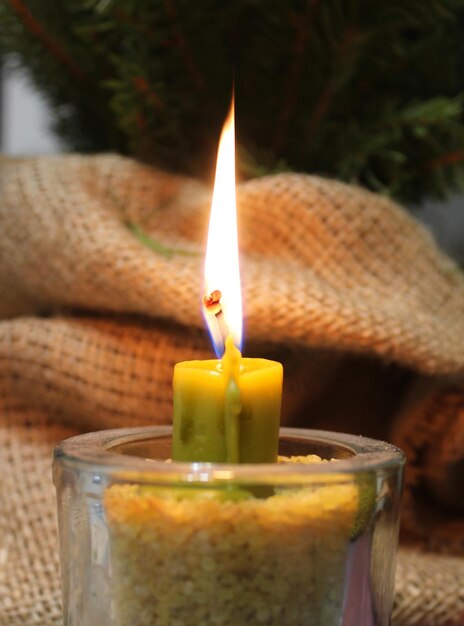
x=213 y=306
x=212 y=303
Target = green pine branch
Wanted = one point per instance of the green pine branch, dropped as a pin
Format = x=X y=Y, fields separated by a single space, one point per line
x=365 y=91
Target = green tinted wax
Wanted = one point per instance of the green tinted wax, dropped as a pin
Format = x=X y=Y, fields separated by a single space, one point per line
x=227 y=410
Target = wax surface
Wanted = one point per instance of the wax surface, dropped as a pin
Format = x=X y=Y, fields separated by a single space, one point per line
x=228 y=410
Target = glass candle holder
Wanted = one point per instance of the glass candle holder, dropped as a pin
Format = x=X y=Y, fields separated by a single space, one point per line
x=147 y=542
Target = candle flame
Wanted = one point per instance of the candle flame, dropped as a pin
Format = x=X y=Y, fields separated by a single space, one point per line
x=223 y=297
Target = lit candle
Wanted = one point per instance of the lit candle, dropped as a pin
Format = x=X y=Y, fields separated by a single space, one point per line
x=228 y=409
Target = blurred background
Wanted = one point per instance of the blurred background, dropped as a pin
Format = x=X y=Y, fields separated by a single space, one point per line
x=26 y=119
x=367 y=93
x=26 y=122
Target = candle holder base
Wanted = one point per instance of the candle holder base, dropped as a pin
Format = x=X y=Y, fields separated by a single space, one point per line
x=149 y=542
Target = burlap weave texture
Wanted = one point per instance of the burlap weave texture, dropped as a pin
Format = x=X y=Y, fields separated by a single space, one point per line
x=93 y=322
x=343 y=268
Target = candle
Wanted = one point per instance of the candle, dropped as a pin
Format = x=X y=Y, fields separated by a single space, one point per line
x=226 y=410
x=276 y=544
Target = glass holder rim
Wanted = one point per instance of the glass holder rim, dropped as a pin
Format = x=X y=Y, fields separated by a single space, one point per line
x=97 y=449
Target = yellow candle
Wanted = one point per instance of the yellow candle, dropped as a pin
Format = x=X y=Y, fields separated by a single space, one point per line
x=227 y=410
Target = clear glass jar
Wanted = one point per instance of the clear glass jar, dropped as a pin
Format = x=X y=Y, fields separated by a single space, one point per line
x=147 y=542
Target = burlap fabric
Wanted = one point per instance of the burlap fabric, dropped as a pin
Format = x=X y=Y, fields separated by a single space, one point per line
x=340 y=284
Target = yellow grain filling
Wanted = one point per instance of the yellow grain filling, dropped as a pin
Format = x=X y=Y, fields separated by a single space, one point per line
x=214 y=558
